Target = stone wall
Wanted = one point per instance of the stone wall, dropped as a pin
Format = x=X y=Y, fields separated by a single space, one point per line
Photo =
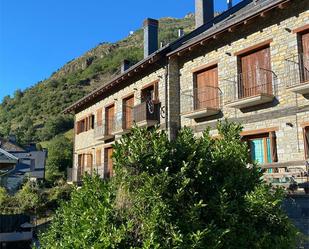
x=288 y=111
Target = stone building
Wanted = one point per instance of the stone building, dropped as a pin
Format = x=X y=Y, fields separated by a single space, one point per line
x=249 y=64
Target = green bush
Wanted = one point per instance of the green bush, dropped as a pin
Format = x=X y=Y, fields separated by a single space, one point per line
x=60 y=154
x=190 y=193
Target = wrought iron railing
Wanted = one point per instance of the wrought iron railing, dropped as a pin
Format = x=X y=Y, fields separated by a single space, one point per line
x=146 y=111
x=76 y=174
x=201 y=98
x=105 y=128
x=297 y=69
x=251 y=83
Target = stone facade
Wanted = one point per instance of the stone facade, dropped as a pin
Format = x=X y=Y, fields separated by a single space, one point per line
x=286 y=115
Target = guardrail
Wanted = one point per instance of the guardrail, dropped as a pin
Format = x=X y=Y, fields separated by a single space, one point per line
x=251 y=83
x=297 y=69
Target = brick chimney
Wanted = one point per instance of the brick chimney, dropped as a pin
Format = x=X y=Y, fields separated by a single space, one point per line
x=150 y=36
x=125 y=65
x=204 y=12
x=229 y=4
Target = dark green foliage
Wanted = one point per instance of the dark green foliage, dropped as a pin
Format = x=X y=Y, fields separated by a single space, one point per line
x=189 y=193
x=34 y=114
x=60 y=154
x=33 y=199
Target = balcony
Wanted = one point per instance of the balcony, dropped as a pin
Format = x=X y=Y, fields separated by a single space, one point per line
x=75 y=176
x=104 y=131
x=251 y=89
x=297 y=69
x=146 y=114
x=122 y=125
x=201 y=102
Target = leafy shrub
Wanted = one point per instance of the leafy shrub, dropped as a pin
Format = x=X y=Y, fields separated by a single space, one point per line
x=189 y=193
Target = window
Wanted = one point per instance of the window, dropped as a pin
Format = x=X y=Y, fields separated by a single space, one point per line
x=306 y=141
x=85 y=124
x=81 y=166
x=89 y=161
x=206 y=92
x=128 y=104
x=263 y=147
x=109 y=119
x=304 y=56
x=150 y=93
x=108 y=162
x=255 y=76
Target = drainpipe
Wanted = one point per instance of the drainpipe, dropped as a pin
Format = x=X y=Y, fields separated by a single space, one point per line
x=166 y=93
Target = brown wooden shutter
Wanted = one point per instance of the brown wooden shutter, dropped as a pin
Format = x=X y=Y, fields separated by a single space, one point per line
x=99 y=117
x=89 y=160
x=206 y=92
x=108 y=161
x=128 y=112
x=156 y=91
x=109 y=119
x=305 y=56
x=98 y=157
x=256 y=76
x=273 y=145
x=306 y=141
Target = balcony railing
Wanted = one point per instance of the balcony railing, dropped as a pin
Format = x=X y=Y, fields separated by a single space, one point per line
x=260 y=83
x=105 y=129
x=297 y=70
x=196 y=99
x=146 y=112
x=75 y=175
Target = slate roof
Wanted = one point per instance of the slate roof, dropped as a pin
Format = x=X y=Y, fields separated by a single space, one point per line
x=6 y=157
x=9 y=146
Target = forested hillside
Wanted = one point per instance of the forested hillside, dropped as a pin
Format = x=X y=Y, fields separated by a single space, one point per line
x=35 y=115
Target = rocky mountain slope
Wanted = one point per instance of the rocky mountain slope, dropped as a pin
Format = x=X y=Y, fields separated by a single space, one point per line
x=35 y=114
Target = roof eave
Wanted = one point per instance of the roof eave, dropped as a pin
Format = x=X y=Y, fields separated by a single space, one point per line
x=215 y=34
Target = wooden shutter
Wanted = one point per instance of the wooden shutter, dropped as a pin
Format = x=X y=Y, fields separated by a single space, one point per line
x=108 y=162
x=98 y=157
x=305 y=56
x=109 y=119
x=89 y=160
x=128 y=112
x=206 y=93
x=273 y=145
x=306 y=141
x=99 y=117
x=256 y=76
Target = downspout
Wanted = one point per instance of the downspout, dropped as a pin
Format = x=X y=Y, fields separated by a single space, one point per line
x=166 y=93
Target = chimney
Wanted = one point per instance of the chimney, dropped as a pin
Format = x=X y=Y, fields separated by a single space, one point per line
x=150 y=36
x=229 y=4
x=181 y=33
x=125 y=65
x=204 y=12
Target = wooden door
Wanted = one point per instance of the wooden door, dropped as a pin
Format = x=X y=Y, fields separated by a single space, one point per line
x=98 y=157
x=305 y=57
x=80 y=166
x=109 y=119
x=256 y=76
x=108 y=162
x=206 y=92
x=128 y=112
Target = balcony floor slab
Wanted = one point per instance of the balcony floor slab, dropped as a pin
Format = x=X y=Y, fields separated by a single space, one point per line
x=202 y=113
x=259 y=99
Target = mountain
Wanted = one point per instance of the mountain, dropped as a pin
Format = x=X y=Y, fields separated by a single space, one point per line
x=35 y=115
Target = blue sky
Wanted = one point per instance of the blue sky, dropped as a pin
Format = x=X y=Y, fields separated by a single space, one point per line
x=39 y=36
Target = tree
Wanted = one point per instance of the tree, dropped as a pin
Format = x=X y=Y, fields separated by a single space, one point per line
x=189 y=193
x=60 y=154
